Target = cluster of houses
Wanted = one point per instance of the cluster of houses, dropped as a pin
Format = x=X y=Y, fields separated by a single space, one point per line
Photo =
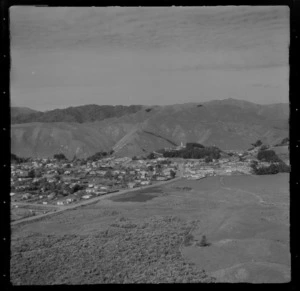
x=48 y=181
x=198 y=169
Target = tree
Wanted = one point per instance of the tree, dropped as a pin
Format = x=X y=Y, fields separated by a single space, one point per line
x=60 y=157
x=268 y=156
x=257 y=143
x=264 y=147
x=31 y=173
x=194 y=145
x=108 y=174
x=203 y=242
x=208 y=159
x=172 y=174
x=151 y=156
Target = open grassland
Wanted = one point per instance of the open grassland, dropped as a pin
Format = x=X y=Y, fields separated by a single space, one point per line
x=156 y=237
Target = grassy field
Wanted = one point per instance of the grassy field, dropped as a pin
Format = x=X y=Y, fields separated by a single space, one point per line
x=157 y=240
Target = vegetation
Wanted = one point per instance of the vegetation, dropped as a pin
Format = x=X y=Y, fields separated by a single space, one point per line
x=15 y=159
x=60 y=157
x=127 y=251
x=97 y=156
x=203 y=242
x=80 y=114
x=264 y=147
x=194 y=152
x=194 y=145
x=285 y=141
x=258 y=143
x=268 y=156
x=273 y=168
x=173 y=174
x=208 y=159
x=151 y=156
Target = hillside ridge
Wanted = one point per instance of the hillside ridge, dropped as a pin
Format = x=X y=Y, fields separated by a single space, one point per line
x=223 y=123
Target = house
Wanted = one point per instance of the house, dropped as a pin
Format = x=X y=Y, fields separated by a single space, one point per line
x=69 y=200
x=145 y=183
x=86 y=196
x=131 y=185
x=26 y=196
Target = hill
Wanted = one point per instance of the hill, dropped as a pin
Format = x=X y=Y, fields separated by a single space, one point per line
x=21 y=111
x=227 y=124
x=86 y=113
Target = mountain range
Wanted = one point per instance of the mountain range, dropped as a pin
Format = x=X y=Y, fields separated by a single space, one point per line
x=139 y=129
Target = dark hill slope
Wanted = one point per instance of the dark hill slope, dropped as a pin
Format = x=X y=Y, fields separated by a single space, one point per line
x=228 y=126
x=21 y=111
x=80 y=114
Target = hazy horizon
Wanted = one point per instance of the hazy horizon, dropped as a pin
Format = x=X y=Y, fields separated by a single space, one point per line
x=63 y=57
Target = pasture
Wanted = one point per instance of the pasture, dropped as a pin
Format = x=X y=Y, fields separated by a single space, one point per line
x=155 y=238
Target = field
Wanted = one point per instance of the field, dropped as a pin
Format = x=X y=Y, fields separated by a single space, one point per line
x=154 y=235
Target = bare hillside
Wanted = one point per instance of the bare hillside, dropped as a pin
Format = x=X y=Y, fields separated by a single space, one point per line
x=228 y=124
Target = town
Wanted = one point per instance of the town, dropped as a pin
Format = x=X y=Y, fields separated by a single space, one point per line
x=58 y=181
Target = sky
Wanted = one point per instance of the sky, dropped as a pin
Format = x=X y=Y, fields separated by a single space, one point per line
x=71 y=56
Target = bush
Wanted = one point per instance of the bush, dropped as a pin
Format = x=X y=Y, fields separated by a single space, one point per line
x=60 y=157
x=268 y=156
